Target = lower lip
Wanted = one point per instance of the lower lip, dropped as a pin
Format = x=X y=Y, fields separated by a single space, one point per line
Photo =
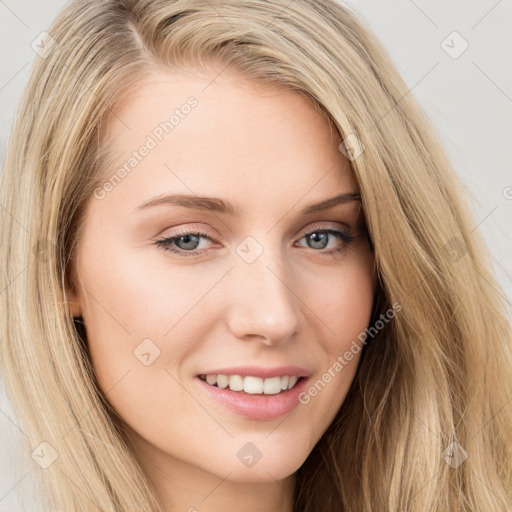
x=257 y=407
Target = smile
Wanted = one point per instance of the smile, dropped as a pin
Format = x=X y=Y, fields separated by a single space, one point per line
x=251 y=384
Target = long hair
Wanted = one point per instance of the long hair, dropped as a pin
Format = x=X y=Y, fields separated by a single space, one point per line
x=432 y=387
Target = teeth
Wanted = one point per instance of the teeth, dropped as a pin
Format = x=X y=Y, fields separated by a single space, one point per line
x=272 y=386
x=252 y=385
x=236 y=383
x=222 y=381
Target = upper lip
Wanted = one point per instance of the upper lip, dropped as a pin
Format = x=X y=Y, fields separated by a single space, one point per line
x=260 y=371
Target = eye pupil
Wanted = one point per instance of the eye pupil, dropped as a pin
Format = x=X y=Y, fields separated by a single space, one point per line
x=317 y=238
x=187 y=239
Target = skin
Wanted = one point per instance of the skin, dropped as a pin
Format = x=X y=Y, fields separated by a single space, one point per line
x=269 y=151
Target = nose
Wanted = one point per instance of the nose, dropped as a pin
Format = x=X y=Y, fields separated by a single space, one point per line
x=262 y=302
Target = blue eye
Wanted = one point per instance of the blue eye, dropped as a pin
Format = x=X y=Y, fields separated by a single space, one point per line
x=189 y=238
x=319 y=238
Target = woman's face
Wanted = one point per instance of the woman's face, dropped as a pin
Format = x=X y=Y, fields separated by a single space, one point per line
x=257 y=288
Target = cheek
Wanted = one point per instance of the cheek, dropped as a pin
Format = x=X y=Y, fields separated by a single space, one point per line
x=343 y=308
x=129 y=298
x=344 y=301
x=143 y=320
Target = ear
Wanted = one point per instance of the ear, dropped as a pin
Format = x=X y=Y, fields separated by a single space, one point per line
x=73 y=298
x=74 y=309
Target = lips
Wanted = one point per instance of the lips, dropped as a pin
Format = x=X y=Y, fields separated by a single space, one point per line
x=259 y=407
x=248 y=398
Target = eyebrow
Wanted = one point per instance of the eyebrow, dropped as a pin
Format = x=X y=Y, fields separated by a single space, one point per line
x=218 y=205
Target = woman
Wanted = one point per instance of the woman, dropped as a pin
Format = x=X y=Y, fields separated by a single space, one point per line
x=251 y=279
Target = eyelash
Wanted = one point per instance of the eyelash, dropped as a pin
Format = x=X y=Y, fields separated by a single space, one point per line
x=346 y=238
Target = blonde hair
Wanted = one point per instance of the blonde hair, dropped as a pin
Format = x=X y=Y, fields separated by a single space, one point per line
x=438 y=373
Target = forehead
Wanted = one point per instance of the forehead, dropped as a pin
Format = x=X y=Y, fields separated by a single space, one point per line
x=208 y=132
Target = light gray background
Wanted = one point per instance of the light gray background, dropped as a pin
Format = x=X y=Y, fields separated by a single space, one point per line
x=468 y=99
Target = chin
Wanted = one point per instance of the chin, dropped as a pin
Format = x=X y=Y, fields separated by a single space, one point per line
x=269 y=468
